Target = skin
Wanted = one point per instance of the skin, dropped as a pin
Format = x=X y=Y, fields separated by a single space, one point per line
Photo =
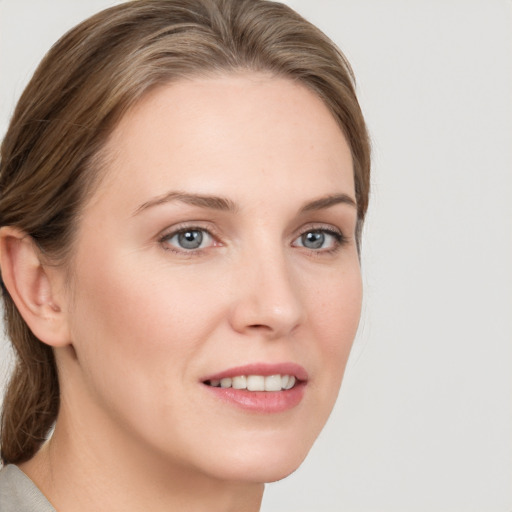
x=144 y=321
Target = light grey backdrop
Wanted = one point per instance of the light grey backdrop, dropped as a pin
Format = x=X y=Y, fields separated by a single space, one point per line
x=424 y=420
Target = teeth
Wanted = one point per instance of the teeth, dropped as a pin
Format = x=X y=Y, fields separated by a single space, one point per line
x=256 y=382
x=290 y=383
x=225 y=383
x=273 y=383
x=240 y=382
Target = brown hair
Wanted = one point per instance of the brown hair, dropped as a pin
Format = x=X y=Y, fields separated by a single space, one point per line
x=84 y=85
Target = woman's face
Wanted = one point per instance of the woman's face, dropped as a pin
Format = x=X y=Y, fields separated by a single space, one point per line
x=219 y=245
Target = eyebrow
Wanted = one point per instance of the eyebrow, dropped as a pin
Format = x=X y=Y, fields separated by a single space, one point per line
x=327 y=202
x=227 y=205
x=203 y=201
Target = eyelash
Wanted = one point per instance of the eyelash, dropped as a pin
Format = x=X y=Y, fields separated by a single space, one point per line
x=339 y=240
x=176 y=231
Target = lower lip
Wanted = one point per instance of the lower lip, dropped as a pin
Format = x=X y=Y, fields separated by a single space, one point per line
x=269 y=402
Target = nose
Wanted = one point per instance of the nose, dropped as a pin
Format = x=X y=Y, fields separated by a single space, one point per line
x=267 y=300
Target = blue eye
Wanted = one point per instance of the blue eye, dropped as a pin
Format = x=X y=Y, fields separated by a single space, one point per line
x=189 y=239
x=319 y=239
x=313 y=240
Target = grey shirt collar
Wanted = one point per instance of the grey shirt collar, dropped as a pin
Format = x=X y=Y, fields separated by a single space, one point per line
x=19 y=494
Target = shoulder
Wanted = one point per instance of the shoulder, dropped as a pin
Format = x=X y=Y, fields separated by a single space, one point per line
x=19 y=494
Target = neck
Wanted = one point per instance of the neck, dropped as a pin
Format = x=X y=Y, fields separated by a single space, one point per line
x=79 y=472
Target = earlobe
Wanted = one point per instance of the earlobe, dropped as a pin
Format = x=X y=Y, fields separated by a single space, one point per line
x=32 y=287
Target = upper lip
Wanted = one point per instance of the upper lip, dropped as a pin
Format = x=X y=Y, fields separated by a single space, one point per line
x=264 y=369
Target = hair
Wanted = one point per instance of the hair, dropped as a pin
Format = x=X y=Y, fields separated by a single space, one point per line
x=51 y=155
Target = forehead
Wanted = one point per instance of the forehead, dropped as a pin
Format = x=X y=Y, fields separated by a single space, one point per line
x=219 y=133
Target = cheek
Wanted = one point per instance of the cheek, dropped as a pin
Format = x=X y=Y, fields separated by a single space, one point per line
x=119 y=326
x=336 y=312
x=337 y=308
x=133 y=315
x=137 y=337
x=130 y=302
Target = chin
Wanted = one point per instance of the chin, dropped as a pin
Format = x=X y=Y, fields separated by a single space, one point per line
x=262 y=464
x=261 y=474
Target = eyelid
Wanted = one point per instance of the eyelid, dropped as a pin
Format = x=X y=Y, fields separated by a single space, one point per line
x=339 y=236
x=174 y=230
x=319 y=226
x=207 y=227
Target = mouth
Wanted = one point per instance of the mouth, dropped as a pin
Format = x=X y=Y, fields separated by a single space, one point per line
x=265 y=388
x=255 y=382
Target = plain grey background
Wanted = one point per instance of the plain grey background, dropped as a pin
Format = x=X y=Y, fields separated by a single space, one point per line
x=424 y=419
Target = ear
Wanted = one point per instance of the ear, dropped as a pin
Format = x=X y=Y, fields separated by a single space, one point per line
x=34 y=287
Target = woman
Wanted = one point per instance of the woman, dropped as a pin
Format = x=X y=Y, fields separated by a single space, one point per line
x=183 y=186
